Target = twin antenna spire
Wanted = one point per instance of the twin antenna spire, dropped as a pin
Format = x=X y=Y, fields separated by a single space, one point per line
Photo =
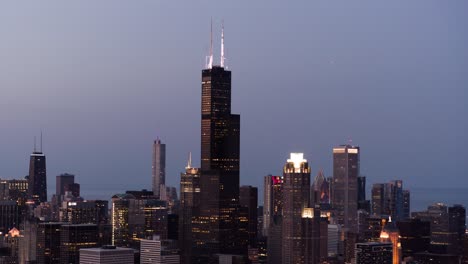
x=209 y=64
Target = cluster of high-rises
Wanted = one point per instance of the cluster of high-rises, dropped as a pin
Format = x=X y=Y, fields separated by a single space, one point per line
x=216 y=220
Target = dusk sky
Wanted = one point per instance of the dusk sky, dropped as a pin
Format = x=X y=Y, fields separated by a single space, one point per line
x=103 y=79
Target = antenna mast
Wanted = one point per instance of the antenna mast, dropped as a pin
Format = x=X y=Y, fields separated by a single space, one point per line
x=40 y=144
x=189 y=163
x=210 y=58
x=222 y=44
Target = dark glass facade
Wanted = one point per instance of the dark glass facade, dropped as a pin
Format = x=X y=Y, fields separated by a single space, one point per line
x=345 y=189
x=220 y=145
x=249 y=199
x=37 y=181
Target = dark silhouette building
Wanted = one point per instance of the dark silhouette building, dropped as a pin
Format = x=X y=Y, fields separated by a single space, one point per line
x=389 y=199
x=48 y=243
x=75 y=237
x=37 y=180
x=173 y=226
x=415 y=236
x=62 y=181
x=159 y=169
x=457 y=227
x=363 y=204
x=9 y=216
x=220 y=146
x=249 y=199
x=447 y=227
x=345 y=192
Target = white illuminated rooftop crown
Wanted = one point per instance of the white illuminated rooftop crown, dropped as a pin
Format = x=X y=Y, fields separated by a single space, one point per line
x=297 y=159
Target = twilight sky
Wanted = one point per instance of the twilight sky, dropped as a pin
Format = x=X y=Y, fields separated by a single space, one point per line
x=102 y=79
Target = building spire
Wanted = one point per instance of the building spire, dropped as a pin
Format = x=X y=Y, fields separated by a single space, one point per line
x=189 y=163
x=222 y=44
x=210 y=57
x=40 y=143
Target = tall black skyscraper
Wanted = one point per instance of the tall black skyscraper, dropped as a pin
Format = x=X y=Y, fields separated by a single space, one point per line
x=159 y=169
x=37 y=180
x=220 y=145
x=345 y=185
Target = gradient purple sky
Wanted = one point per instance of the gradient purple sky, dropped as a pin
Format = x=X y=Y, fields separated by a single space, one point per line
x=102 y=79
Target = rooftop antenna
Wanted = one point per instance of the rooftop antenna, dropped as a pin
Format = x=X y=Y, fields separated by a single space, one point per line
x=34 y=143
x=189 y=163
x=40 y=144
x=210 y=57
x=222 y=44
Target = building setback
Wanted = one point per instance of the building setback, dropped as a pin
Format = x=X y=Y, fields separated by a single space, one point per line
x=220 y=147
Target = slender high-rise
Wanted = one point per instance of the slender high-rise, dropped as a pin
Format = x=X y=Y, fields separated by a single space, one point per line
x=189 y=207
x=273 y=216
x=220 y=146
x=37 y=180
x=345 y=189
x=298 y=229
x=159 y=168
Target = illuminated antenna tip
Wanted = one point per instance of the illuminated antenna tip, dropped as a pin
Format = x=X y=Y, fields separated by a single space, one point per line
x=222 y=44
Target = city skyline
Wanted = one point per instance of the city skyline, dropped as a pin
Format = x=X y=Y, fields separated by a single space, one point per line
x=389 y=116
x=59 y=116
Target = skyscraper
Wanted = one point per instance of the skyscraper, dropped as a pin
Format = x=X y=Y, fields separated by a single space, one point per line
x=48 y=243
x=298 y=217
x=62 y=181
x=273 y=217
x=37 y=180
x=248 y=198
x=190 y=198
x=345 y=194
x=75 y=237
x=321 y=189
x=345 y=174
x=220 y=146
x=272 y=200
x=389 y=199
x=391 y=234
x=159 y=168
